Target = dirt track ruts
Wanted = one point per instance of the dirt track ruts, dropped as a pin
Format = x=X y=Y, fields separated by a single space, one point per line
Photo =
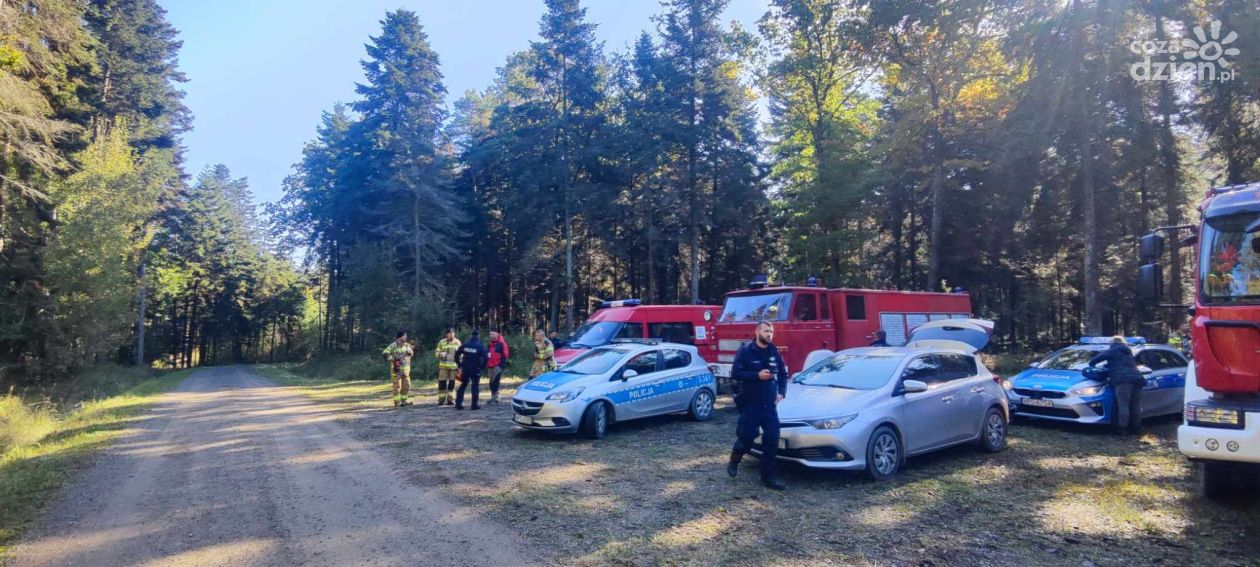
x=231 y=470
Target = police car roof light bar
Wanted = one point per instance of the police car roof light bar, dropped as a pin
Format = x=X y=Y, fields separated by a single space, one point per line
x=1107 y=340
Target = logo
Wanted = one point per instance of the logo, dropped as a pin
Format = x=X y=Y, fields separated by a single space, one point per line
x=1203 y=57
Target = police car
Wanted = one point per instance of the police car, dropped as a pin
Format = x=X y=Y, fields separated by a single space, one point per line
x=1062 y=387
x=619 y=382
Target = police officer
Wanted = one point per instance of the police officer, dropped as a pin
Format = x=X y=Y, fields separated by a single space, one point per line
x=881 y=339
x=1127 y=382
x=762 y=378
x=398 y=354
x=447 y=348
x=472 y=357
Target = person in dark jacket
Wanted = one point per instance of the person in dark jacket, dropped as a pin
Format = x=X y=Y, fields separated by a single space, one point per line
x=762 y=377
x=881 y=338
x=472 y=357
x=1126 y=381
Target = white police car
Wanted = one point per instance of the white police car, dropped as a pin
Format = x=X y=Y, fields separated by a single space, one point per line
x=1060 y=388
x=618 y=382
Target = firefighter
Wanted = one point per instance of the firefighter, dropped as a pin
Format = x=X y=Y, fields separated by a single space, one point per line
x=762 y=377
x=472 y=357
x=447 y=348
x=499 y=353
x=1127 y=382
x=544 y=355
x=881 y=339
x=399 y=354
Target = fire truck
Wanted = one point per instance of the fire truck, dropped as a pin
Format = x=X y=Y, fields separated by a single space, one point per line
x=1221 y=425
x=629 y=319
x=810 y=318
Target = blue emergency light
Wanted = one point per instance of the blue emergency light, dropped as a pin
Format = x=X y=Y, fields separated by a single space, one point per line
x=620 y=303
x=1135 y=341
x=759 y=281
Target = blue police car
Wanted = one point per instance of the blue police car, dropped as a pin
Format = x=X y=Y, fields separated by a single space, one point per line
x=1062 y=387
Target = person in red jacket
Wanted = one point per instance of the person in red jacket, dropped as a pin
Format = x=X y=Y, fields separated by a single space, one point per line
x=499 y=353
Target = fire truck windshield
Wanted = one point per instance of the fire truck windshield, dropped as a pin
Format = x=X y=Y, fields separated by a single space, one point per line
x=1229 y=263
x=599 y=333
x=752 y=308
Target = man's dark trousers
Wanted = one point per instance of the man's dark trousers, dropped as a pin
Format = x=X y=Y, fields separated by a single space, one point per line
x=1129 y=406
x=476 y=390
x=766 y=418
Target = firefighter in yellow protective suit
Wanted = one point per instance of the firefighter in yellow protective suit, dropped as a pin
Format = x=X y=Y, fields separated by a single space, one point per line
x=399 y=354
x=544 y=355
x=447 y=368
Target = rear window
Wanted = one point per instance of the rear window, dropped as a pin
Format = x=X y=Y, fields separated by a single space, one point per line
x=677 y=359
x=855 y=307
x=681 y=333
x=956 y=366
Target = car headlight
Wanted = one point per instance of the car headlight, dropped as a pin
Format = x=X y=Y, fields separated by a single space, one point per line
x=830 y=422
x=1007 y=385
x=564 y=396
x=1087 y=391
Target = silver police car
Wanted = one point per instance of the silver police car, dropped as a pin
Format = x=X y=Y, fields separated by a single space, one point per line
x=619 y=382
x=867 y=409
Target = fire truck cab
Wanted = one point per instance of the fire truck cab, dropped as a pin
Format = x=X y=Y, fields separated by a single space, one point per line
x=809 y=318
x=1221 y=428
x=629 y=319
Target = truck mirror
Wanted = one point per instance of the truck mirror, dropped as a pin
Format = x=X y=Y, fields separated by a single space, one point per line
x=1150 y=247
x=1150 y=282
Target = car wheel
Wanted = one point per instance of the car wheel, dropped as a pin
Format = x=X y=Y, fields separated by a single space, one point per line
x=883 y=454
x=993 y=434
x=701 y=408
x=595 y=421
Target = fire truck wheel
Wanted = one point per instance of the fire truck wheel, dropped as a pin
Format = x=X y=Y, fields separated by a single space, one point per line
x=1220 y=480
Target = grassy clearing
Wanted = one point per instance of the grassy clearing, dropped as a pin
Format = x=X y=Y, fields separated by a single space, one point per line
x=43 y=443
x=654 y=493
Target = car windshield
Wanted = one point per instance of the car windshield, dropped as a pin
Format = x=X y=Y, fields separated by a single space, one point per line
x=600 y=333
x=1229 y=263
x=746 y=308
x=866 y=371
x=597 y=361
x=1069 y=359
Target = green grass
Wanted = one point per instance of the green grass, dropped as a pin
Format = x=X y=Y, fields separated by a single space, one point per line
x=42 y=444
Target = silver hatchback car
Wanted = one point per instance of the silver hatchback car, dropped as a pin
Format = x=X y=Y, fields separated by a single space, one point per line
x=867 y=409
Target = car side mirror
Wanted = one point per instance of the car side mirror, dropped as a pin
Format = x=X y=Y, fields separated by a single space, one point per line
x=913 y=386
x=628 y=374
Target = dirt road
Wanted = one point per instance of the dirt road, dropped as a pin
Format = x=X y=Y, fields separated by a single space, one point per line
x=229 y=470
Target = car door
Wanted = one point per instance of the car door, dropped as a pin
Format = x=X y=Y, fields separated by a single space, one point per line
x=1170 y=383
x=964 y=394
x=674 y=391
x=1153 y=398
x=635 y=397
x=923 y=414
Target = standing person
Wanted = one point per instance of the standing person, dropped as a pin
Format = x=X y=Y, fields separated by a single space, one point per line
x=499 y=353
x=1127 y=382
x=472 y=358
x=762 y=377
x=447 y=348
x=544 y=355
x=881 y=338
x=399 y=354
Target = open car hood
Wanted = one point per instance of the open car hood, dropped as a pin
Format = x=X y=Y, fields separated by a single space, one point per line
x=967 y=335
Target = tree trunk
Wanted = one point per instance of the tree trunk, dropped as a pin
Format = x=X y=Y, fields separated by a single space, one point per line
x=140 y=318
x=1085 y=148
x=1172 y=191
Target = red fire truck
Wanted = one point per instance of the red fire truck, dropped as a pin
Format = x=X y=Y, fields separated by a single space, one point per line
x=809 y=318
x=1221 y=428
x=630 y=319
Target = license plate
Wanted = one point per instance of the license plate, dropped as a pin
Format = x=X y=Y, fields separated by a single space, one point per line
x=1037 y=403
x=524 y=419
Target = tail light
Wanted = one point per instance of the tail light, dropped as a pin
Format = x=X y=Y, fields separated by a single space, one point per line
x=997 y=379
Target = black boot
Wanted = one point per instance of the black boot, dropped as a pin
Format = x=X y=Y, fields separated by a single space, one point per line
x=732 y=467
x=773 y=482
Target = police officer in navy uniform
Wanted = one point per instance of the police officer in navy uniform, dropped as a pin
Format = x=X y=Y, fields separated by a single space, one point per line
x=472 y=358
x=762 y=378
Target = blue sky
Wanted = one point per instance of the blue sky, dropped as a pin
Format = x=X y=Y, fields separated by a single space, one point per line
x=261 y=71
